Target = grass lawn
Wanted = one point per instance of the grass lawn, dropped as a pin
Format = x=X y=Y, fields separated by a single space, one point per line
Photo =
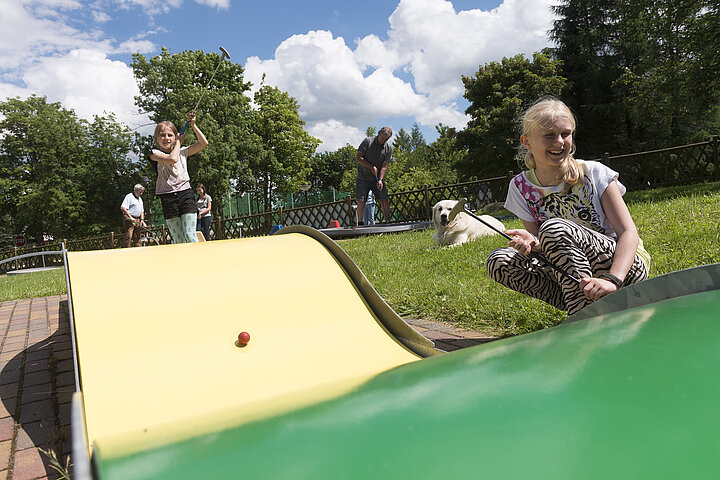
x=679 y=226
x=30 y=285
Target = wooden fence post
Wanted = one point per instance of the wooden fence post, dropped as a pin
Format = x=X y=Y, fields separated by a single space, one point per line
x=348 y=202
x=112 y=240
x=606 y=158
x=716 y=154
x=426 y=193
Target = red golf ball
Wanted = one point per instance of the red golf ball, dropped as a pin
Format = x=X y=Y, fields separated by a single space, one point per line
x=244 y=338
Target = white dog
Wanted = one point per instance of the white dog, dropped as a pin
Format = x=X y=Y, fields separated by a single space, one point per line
x=463 y=228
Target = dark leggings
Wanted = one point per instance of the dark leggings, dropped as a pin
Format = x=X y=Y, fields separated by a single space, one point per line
x=576 y=249
x=203 y=225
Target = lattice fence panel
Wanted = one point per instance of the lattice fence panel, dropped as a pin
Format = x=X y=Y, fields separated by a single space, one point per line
x=669 y=166
x=320 y=216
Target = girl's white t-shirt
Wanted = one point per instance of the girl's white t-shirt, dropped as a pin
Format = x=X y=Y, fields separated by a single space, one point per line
x=532 y=202
x=172 y=177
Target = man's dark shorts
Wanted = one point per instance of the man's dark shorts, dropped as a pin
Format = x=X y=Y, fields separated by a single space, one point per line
x=364 y=186
x=178 y=203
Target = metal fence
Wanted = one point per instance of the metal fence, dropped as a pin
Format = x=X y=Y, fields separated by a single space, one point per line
x=697 y=162
x=686 y=164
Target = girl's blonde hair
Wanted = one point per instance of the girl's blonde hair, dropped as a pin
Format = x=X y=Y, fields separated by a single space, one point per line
x=162 y=125
x=541 y=115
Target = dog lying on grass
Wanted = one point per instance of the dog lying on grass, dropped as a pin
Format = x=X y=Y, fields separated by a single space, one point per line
x=463 y=228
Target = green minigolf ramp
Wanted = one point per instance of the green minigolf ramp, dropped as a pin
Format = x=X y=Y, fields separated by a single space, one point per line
x=628 y=394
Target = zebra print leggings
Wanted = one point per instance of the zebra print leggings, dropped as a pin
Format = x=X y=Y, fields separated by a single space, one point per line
x=578 y=250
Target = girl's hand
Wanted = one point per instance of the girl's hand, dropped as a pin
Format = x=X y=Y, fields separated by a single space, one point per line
x=594 y=288
x=522 y=241
x=191 y=118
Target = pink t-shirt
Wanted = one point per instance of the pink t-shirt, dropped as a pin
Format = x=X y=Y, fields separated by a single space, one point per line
x=175 y=177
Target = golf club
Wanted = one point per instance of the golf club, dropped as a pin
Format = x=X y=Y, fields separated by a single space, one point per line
x=462 y=207
x=225 y=55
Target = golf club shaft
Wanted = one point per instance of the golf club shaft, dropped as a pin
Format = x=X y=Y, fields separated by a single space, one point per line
x=202 y=94
x=538 y=256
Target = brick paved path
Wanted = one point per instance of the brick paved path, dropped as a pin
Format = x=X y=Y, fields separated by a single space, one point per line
x=37 y=380
x=36 y=384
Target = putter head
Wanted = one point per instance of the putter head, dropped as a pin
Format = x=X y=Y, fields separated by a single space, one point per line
x=225 y=53
x=459 y=207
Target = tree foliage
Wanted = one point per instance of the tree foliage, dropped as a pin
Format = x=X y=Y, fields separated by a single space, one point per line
x=641 y=74
x=281 y=161
x=498 y=93
x=61 y=175
x=328 y=168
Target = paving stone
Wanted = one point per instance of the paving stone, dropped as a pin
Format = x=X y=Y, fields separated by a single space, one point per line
x=36 y=393
x=28 y=464
x=7 y=406
x=37 y=366
x=38 y=354
x=435 y=335
x=65 y=366
x=36 y=411
x=66 y=379
x=36 y=378
x=14 y=347
x=7 y=428
x=5 y=454
x=9 y=376
x=35 y=434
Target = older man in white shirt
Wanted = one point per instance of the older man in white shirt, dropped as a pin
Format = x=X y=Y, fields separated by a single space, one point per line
x=133 y=216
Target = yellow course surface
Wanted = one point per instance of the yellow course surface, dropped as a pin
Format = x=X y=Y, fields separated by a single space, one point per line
x=156 y=336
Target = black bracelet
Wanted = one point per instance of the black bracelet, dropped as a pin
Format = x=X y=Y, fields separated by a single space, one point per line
x=613 y=279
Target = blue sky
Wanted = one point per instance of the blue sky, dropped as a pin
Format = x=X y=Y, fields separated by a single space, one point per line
x=350 y=65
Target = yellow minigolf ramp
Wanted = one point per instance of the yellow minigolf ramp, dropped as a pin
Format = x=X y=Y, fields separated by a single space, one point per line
x=156 y=334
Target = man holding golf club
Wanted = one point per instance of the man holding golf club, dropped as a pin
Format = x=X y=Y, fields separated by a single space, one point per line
x=373 y=157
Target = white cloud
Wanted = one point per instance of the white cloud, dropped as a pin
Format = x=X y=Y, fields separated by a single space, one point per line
x=151 y=7
x=334 y=134
x=87 y=82
x=101 y=17
x=26 y=35
x=219 y=4
x=412 y=70
x=415 y=72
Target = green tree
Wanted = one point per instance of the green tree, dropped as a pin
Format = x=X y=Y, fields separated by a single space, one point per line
x=281 y=163
x=61 y=175
x=170 y=86
x=669 y=84
x=328 y=168
x=498 y=93
x=583 y=34
x=640 y=74
x=401 y=142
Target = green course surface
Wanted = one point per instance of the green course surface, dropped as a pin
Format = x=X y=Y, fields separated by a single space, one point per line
x=629 y=394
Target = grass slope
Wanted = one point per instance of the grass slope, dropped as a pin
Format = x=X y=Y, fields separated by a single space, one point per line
x=679 y=226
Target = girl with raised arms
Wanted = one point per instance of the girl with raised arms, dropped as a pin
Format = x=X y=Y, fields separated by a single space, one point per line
x=173 y=181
